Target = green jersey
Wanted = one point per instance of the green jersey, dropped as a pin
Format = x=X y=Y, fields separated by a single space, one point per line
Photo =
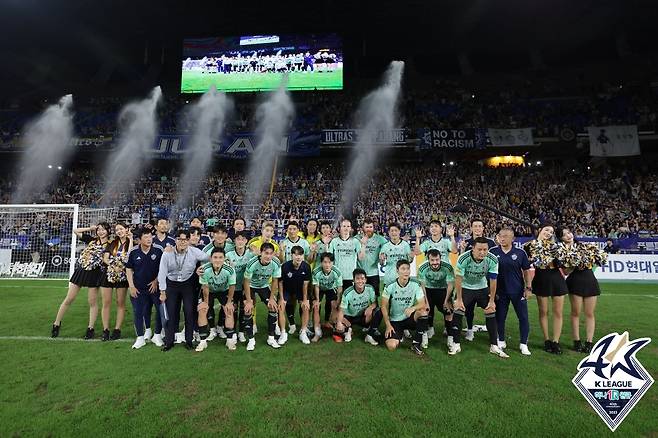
x=394 y=252
x=370 y=263
x=218 y=281
x=228 y=247
x=288 y=244
x=355 y=303
x=346 y=254
x=400 y=298
x=239 y=263
x=259 y=274
x=444 y=246
x=321 y=248
x=332 y=280
x=475 y=273
x=436 y=279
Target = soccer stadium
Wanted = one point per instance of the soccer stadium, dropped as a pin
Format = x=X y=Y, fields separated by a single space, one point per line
x=328 y=219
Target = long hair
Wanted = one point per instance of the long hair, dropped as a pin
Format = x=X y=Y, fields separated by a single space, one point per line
x=115 y=246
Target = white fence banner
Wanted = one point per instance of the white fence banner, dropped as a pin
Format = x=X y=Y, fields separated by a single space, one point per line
x=613 y=141
x=629 y=267
x=511 y=137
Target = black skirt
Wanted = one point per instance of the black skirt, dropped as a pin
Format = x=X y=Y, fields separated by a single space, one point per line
x=583 y=283
x=84 y=278
x=549 y=283
x=106 y=283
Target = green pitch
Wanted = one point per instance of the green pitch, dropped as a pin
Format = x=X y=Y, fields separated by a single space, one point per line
x=197 y=82
x=89 y=388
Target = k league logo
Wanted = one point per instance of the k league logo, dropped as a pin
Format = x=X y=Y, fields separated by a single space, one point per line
x=612 y=379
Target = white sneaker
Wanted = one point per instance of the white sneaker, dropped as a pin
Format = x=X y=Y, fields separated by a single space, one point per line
x=251 y=344
x=502 y=345
x=157 y=340
x=221 y=333
x=370 y=340
x=451 y=341
x=148 y=334
x=242 y=337
x=202 y=346
x=283 y=338
x=303 y=336
x=232 y=342
x=407 y=334
x=495 y=349
x=470 y=335
x=272 y=342
x=212 y=335
x=139 y=342
x=292 y=329
x=179 y=338
x=348 y=335
x=277 y=330
x=480 y=328
x=430 y=333
x=424 y=343
x=454 y=349
x=524 y=349
x=196 y=337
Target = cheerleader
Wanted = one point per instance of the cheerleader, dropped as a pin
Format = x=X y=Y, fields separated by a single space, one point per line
x=548 y=283
x=87 y=274
x=115 y=257
x=579 y=259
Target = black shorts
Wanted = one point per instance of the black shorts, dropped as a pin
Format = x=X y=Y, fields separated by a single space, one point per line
x=479 y=297
x=262 y=292
x=583 y=283
x=436 y=298
x=357 y=320
x=331 y=294
x=84 y=278
x=288 y=296
x=549 y=283
x=222 y=297
x=373 y=281
x=400 y=326
x=118 y=285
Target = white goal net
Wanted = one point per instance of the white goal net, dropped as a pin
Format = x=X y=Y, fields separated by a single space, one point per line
x=37 y=240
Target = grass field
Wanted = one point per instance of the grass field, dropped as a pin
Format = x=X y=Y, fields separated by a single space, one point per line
x=197 y=82
x=89 y=388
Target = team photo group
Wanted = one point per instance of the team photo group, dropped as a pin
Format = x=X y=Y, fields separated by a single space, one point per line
x=346 y=283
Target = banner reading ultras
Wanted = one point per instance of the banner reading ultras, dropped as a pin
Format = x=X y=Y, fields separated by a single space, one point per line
x=468 y=138
x=260 y=62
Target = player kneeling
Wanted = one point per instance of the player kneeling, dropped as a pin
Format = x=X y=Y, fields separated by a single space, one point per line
x=217 y=282
x=404 y=308
x=359 y=306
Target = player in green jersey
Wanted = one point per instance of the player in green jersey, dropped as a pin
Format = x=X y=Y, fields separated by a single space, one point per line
x=359 y=307
x=445 y=245
x=238 y=259
x=474 y=268
x=437 y=279
x=260 y=279
x=347 y=251
x=217 y=282
x=373 y=243
x=393 y=251
x=285 y=255
x=404 y=308
x=327 y=282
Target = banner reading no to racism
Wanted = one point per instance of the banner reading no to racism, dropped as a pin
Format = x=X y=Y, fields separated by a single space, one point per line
x=468 y=138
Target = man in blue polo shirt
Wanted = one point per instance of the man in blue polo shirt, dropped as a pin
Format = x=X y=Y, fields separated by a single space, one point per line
x=294 y=281
x=161 y=238
x=513 y=287
x=142 y=272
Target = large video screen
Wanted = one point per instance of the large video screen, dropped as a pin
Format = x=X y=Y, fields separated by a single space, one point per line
x=258 y=63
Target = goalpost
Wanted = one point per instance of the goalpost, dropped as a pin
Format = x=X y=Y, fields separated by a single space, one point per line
x=37 y=240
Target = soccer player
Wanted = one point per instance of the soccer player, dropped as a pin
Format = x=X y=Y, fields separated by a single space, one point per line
x=393 y=251
x=259 y=273
x=346 y=250
x=161 y=238
x=175 y=282
x=142 y=273
x=197 y=223
x=373 y=243
x=477 y=230
x=327 y=282
x=474 y=267
x=266 y=236
x=239 y=225
x=437 y=279
x=444 y=245
x=293 y=239
x=88 y=274
x=404 y=308
x=514 y=286
x=115 y=259
x=219 y=240
x=295 y=278
x=217 y=282
x=238 y=259
x=321 y=245
x=359 y=307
